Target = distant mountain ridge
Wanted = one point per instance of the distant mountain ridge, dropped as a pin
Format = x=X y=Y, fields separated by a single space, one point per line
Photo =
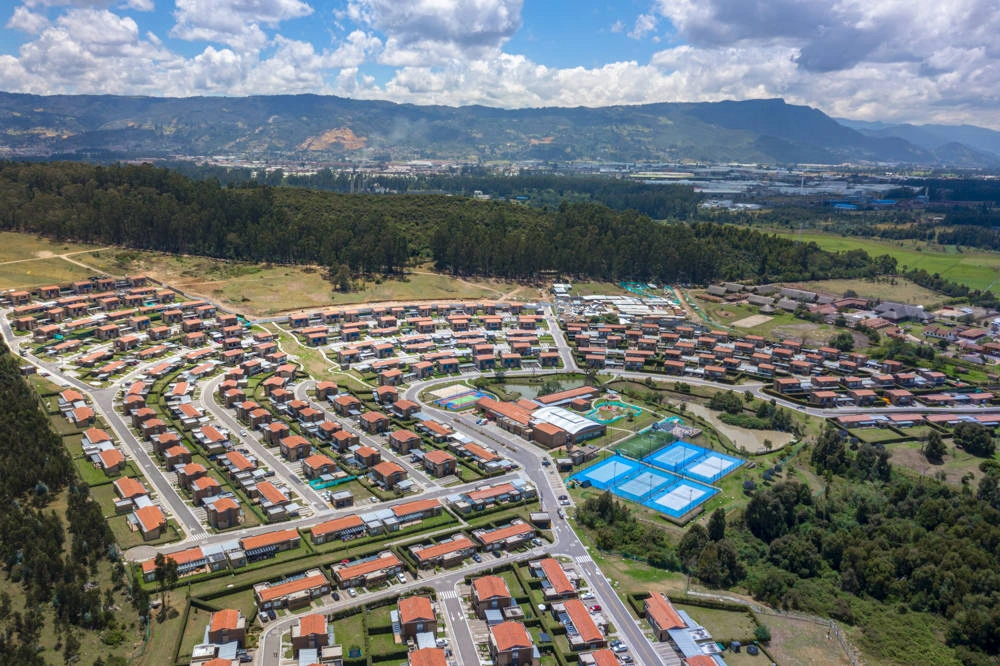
x=951 y=141
x=326 y=128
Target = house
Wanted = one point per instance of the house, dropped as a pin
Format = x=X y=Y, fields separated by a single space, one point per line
x=445 y=553
x=295 y=447
x=416 y=616
x=129 y=488
x=662 y=616
x=510 y=645
x=339 y=528
x=317 y=465
x=898 y=397
x=403 y=441
x=585 y=635
x=374 y=422
x=404 y=409
x=369 y=571
x=429 y=656
x=311 y=633
x=111 y=461
x=344 y=440
x=490 y=593
x=187 y=475
x=388 y=474
x=555 y=583
x=438 y=432
x=294 y=593
x=227 y=626
x=204 y=487
x=275 y=432
x=223 y=513
x=269 y=495
x=417 y=510
x=176 y=456
x=148 y=521
x=439 y=463
x=269 y=543
x=506 y=537
x=367 y=456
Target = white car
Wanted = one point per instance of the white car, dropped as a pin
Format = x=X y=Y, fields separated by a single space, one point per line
x=351 y=591
x=441 y=642
x=587 y=595
x=401 y=578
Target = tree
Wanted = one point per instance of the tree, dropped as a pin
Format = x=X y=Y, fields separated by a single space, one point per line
x=165 y=574
x=762 y=633
x=843 y=341
x=934 y=448
x=975 y=439
x=550 y=386
x=717 y=525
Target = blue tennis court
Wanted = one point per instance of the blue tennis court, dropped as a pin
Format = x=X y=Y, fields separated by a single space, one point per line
x=647 y=485
x=693 y=461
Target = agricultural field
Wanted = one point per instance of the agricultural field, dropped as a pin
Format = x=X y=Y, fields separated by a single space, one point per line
x=977 y=268
x=778 y=325
x=896 y=289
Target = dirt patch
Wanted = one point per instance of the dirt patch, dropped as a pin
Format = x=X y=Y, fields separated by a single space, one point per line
x=956 y=463
x=752 y=440
x=751 y=321
x=44 y=254
x=796 y=641
x=342 y=135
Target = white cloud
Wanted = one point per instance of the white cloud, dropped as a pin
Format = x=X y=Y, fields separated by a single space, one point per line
x=644 y=24
x=236 y=23
x=432 y=32
x=27 y=21
x=617 y=27
x=141 y=5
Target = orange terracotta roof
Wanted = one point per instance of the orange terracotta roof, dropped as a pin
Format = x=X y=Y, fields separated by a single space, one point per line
x=337 y=524
x=487 y=493
x=415 y=609
x=604 y=658
x=151 y=517
x=566 y=395
x=505 y=532
x=444 y=548
x=429 y=657
x=318 y=460
x=585 y=625
x=509 y=635
x=311 y=625
x=387 y=468
x=353 y=571
x=227 y=618
x=293 y=586
x=111 y=457
x=701 y=660
x=662 y=612
x=225 y=504
x=129 y=487
x=271 y=493
x=294 y=441
x=438 y=457
x=481 y=452
x=556 y=576
x=417 y=506
x=96 y=435
x=239 y=461
x=268 y=539
x=490 y=587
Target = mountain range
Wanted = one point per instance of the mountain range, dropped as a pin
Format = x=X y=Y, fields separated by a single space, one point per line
x=314 y=128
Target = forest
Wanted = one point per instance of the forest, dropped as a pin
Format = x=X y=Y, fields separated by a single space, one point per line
x=157 y=209
x=46 y=579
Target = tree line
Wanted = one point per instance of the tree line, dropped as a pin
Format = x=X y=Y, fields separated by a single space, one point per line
x=158 y=209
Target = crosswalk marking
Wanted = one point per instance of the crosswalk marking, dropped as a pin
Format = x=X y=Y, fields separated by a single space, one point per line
x=447 y=594
x=584 y=559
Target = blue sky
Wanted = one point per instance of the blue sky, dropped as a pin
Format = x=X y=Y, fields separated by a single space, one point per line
x=894 y=60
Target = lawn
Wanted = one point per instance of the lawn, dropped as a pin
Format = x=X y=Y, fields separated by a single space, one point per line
x=780 y=325
x=975 y=268
x=902 y=290
x=598 y=289
x=802 y=642
x=724 y=625
x=957 y=463
x=126 y=538
x=350 y=632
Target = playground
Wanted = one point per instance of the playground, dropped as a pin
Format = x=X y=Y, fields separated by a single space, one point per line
x=609 y=411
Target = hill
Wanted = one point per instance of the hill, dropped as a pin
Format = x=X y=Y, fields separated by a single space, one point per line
x=953 y=144
x=319 y=128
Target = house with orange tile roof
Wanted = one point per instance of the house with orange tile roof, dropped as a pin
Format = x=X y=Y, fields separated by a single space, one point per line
x=129 y=488
x=417 y=509
x=344 y=440
x=444 y=553
x=187 y=475
x=148 y=521
x=275 y=431
x=416 y=616
x=295 y=447
x=430 y=656
x=586 y=635
x=311 y=633
x=226 y=626
x=344 y=528
x=204 y=487
x=370 y=571
x=176 y=456
x=268 y=494
x=111 y=461
x=275 y=541
x=555 y=583
x=510 y=645
x=367 y=456
x=374 y=422
x=662 y=616
x=602 y=657
x=506 y=537
x=295 y=593
x=490 y=593
x=388 y=474
x=403 y=441
x=317 y=465
x=439 y=463
x=223 y=513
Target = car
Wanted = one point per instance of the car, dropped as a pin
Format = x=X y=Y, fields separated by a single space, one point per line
x=497 y=554
x=476 y=557
x=271 y=614
x=595 y=608
x=537 y=541
x=351 y=591
x=401 y=578
x=441 y=642
x=245 y=658
x=587 y=595
x=621 y=647
x=564 y=502
x=546 y=462
x=262 y=616
x=561 y=514
x=373 y=500
x=345 y=561
x=243 y=433
x=627 y=659
x=336 y=596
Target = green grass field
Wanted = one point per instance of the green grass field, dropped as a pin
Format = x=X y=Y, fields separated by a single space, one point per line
x=977 y=268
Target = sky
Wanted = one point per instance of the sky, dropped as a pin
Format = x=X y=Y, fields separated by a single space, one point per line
x=891 y=60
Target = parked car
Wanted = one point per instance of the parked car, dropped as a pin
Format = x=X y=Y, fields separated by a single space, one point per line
x=595 y=608
x=262 y=616
x=441 y=642
x=351 y=591
x=336 y=596
x=271 y=614
x=401 y=578
x=476 y=557
x=587 y=595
